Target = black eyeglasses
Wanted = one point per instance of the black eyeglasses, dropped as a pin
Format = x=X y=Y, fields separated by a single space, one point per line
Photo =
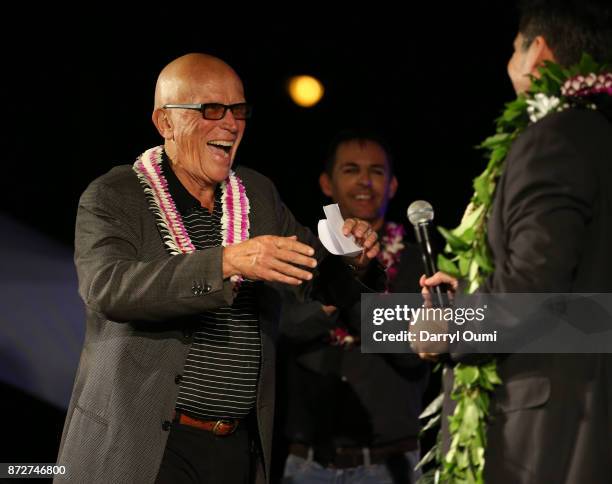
x=216 y=111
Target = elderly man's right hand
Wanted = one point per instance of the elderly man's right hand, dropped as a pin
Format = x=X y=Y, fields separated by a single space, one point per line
x=270 y=258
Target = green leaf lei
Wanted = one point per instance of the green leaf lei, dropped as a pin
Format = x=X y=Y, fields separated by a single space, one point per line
x=586 y=85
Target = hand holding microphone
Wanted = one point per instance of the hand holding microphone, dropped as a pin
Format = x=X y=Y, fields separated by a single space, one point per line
x=435 y=284
x=421 y=213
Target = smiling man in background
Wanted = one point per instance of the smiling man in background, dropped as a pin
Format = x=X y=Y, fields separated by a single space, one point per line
x=352 y=415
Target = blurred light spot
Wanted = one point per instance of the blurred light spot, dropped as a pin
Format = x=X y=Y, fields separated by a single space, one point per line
x=306 y=91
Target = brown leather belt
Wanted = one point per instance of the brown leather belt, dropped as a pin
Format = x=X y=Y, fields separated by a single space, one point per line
x=346 y=457
x=220 y=427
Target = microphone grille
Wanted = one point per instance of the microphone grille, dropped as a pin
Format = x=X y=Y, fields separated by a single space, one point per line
x=420 y=212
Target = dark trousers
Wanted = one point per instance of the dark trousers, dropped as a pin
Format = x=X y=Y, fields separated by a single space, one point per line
x=195 y=456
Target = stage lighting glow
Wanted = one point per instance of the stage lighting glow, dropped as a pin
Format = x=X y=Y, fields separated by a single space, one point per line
x=305 y=91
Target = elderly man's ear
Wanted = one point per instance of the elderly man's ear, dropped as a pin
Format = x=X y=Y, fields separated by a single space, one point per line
x=163 y=124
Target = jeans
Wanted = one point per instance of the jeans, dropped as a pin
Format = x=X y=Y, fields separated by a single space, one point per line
x=399 y=470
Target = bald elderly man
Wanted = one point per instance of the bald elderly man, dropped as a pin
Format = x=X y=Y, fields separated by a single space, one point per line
x=181 y=263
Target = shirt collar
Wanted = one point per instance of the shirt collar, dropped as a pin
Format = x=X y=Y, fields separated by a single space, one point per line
x=185 y=201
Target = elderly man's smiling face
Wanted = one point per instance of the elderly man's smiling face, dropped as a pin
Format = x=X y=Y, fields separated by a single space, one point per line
x=200 y=148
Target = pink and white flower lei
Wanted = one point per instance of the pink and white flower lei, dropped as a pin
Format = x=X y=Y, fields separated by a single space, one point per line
x=580 y=86
x=574 y=89
x=235 y=206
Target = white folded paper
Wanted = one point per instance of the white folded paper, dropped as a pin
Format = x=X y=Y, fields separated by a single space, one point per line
x=331 y=236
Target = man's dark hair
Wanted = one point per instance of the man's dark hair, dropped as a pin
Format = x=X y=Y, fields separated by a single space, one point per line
x=361 y=136
x=570 y=27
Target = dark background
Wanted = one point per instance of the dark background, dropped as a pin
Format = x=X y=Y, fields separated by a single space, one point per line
x=431 y=79
x=78 y=94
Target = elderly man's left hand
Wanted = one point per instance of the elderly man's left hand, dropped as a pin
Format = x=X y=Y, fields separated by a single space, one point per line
x=366 y=237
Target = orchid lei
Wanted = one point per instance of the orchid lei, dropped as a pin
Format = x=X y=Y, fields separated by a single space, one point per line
x=586 y=85
x=235 y=207
x=392 y=243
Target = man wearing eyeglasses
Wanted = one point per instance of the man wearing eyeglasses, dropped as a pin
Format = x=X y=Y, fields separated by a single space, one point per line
x=179 y=260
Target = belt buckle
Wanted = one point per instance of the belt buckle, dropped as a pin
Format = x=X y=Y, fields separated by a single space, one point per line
x=217 y=427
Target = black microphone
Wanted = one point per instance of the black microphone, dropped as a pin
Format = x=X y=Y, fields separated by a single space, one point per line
x=420 y=214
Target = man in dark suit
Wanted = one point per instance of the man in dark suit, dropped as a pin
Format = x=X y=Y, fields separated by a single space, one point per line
x=366 y=427
x=550 y=230
x=177 y=258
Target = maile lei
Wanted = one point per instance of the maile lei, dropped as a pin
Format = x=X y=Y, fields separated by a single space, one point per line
x=586 y=85
x=391 y=243
x=235 y=207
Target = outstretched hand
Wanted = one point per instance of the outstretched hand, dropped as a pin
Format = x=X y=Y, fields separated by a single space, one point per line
x=270 y=258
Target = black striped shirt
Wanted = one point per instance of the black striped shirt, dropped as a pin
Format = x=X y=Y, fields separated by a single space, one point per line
x=222 y=367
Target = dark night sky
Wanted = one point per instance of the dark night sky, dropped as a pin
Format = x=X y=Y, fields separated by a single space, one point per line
x=432 y=79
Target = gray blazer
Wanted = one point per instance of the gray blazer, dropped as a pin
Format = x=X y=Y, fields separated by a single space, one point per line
x=138 y=298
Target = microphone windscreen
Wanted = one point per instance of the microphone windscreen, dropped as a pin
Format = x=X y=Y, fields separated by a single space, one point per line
x=420 y=212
